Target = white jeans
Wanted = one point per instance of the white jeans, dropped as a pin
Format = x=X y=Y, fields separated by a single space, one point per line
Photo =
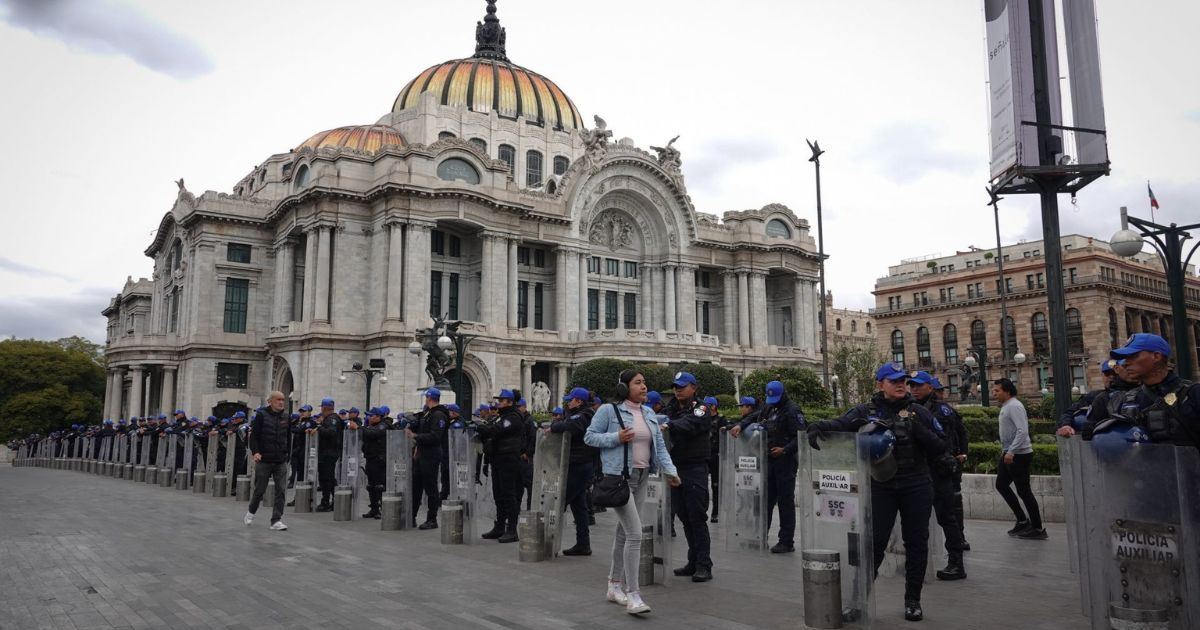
x=627 y=544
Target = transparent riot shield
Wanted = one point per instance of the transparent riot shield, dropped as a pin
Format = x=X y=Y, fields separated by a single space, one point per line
x=398 y=474
x=656 y=512
x=210 y=455
x=230 y=464
x=351 y=473
x=1068 y=466
x=462 y=478
x=1141 y=534
x=189 y=456
x=550 y=460
x=835 y=507
x=145 y=451
x=482 y=508
x=744 y=501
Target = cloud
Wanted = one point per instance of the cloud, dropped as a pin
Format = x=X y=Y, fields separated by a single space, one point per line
x=1193 y=116
x=716 y=157
x=27 y=270
x=55 y=317
x=111 y=28
x=906 y=152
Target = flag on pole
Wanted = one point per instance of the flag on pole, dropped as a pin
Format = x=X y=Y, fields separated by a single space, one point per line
x=1153 y=201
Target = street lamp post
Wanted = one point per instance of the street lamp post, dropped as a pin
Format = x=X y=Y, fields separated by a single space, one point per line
x=1003 y=285
x=376 y=367
x=816 y=160
x=1169 y=242
x=458 y=341
x=978 y=356
x=833 y=380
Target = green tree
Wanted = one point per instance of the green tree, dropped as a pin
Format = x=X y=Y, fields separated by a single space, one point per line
x=83 y=346
x=855 y=365
x=658 y=377
x=600 y=376
x=802 y=384
x=48 y=385
x=714 y=380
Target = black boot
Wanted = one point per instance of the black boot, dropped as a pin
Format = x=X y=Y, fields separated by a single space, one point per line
x=372 y=513
x=496 y=531
x=580 y=549
x=954 y=568
x=912 y=610
x=509 y=536
x=430 y=524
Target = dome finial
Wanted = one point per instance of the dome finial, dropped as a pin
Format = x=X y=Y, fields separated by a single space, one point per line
x=489 y=35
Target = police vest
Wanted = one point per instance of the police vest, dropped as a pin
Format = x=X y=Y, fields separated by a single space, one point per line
x=905 y=450
x=1161 y=418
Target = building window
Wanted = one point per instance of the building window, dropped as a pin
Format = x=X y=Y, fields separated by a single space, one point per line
x=1041 y=335
x=924 y=355
x=1010 y=337
x=237 y=300
x=898 y=347
x=232 y=375
x=631 y=311
x=631 y=271
x=452 y=306
x=479 y=142
x=523 y=304
x=868 y=328
x=950 y=293
x=612 y=266
x=775 y=227
x=953 y=384
x=237 y=252
x=176 y=255
x=610 y=309
x=593 y=309
x=978 y=334
x=538 y=302
x=455 y=246
x=703 y=279
x=301 y=179
x=1072 y=276
x=435 y=293
x=523 y=256
x=704 y=321
x=853 y=326
x=594 y=264
x=1074 y=331
x=533 y=169
x=561 y=163
x=539 y=258
x=445 y=135
x=173 y=317
x=508 y=154
x=837 y=324
x=950 y=343
x=437 y=242
x=456 y=169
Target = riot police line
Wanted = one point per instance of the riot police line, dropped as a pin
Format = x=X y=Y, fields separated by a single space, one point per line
x=1130 y=475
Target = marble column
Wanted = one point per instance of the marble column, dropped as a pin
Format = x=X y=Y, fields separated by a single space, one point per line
x=487 y=282
x=526 y=378
x=814 y=299
x=512 y=283
x=310 y=274
x=531 y=302
x=560 y=385
x=687 y=299
x=110 y=378
x=168 y=389
x=798 y=327
x=321 y=296
x=417 y=274
x=135 y=391
x=566 y=284
x=758 y=309
x=395 y=277
x=119 y=394
x=729 y=308
x=671 y=308
x=743 y=309
x=583 y=292
x=285 y=261
x=645 y=321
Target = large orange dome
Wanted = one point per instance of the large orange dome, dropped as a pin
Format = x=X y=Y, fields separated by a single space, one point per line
x=363 y=138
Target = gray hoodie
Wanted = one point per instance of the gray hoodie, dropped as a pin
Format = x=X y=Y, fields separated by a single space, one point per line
x=1014 y=428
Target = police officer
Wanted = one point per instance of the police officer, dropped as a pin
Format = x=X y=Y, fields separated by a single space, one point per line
x=1075 y=417
x=946 y=473
x=689 y=427
x=577 y=417
x=329 y=451
x=301 y=423
x=374 y=449
x=506 y=437
x=782 y=419
x=900 y=482
x=527 y=451
x=654 y=399
x=426 y=431
x=1166 y=406
x=454 y=414
x=719 y=426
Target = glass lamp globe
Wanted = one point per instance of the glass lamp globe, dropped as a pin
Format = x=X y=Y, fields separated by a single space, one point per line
x=445 y=343
x=414 y=348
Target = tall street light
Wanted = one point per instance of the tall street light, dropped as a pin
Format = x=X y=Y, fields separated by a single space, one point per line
x=977 y=356
x=995 y=204
x=1169 y=242
x=375 y=366
x=815 y=147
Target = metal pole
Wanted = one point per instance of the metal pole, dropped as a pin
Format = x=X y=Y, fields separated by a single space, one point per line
x=1176 y=278
x=370 y=375
x=995 y=204
x=816 y=160
x=985 y=387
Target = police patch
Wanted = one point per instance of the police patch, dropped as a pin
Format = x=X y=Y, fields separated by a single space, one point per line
x=507 y=423
x=1170 y=398
x=441 y=424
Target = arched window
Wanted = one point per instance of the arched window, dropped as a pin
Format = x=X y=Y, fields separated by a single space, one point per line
x=775 y=227
x=1010 y=337
x=837 y=323
x=1164 y=330
x=1114 y=333
x=301 y=179
x=854 y=326
x=533 y=169
x=898 y=347
x=479 y=142
x=1041 y=334
x=924 y=356
x=458 y=169
x=561 y=164
x=508 y=154
x=868 y=328
x=443 y=135
x=1074 y=331
x=1145 y=324
x=176 y=254
x=978 y=334
x=950 y=343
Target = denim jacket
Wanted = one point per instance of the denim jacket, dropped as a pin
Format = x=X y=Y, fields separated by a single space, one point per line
x=602 y=434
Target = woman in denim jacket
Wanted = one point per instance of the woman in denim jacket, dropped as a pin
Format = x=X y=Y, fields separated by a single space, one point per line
x=647 y=452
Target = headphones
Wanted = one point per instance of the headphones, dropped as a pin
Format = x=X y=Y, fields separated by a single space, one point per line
x=622 y=386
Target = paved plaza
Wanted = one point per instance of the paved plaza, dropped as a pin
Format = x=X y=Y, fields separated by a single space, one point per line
x=81 y=551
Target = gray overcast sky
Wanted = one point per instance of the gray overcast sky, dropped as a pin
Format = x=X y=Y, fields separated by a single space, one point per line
x=106 y=102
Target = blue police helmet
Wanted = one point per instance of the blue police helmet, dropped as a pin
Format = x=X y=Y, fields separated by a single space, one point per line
x=754 y=427
x=878 y=447
x=653 y=398
x=1114 y=438
x=224 y=421
x=557 y=411
x=385 y=410
x=295 y=416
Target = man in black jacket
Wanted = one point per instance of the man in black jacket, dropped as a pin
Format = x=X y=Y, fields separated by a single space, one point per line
x=269 y=434
x=578 y=416
x=505 y=436
x=689 y=426
x=947 y=481
x=374 y=448
x=329 y=451
x=783 y=420
x=426 y=431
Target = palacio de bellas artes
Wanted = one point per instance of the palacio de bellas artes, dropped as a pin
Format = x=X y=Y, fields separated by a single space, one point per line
x=482 y=196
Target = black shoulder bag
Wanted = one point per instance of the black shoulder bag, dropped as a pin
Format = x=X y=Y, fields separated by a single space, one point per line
x=612 y=491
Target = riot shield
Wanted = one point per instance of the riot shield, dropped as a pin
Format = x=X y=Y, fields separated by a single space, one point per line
x=744 y=502
x=1140 y=533
x=550 y=460
x=1068 y=465
x=835 y=508
x=189 y=456
x=350 y=469
x=482 y=507
x=230 y=464
x=656 y=512
x=210 y=455
x=398 y=474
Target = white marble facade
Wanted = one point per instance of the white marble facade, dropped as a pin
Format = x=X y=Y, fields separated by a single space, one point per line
x=352 y=235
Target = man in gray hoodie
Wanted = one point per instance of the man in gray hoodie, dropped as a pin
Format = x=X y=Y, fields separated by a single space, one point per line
x=1016 y=457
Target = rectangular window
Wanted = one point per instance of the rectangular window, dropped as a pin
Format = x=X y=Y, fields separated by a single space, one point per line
x=612 y=266
x=539 y=258
x=173 y=323
x=238 y=253
x=951 y=355
x=452 y=307
x=523 y=304
x=594 y=264
x=455 y=246
x=237 y=300
x=538 y=301
x=1041 y=281
x=435 y=293
x=1071 y=274
x=970 y=291
x=232 y=375
x=705 y=279
x=942 y=295
x=610 y=309
x=593 y=309
x=1008 y=285
x=1029 y=281
x=631 y=270
x=533 y=169
x=631 y=311
x=704 y=328
x=953 y=384
x=437 y=242
x=950 y=293
x=523 y=256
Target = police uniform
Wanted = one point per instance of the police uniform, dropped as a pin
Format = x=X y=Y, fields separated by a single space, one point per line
x=714 y=461
x=689 y=427
x=1169 y=410
x=374 y=449
x=504 y=440
x=946 y=474
x=579 y=469
x=329 y=451
x=428 y=429
x=782 y=420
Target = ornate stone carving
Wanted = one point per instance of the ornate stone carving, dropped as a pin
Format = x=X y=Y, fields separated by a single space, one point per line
x=185 y=195
x=540 y=397
x=668 y=156
x=611 y=231
x=595 y=143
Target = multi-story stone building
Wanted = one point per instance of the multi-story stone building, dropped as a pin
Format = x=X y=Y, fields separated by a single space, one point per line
x=482 y=197
x=848 y=326
x=930 y=311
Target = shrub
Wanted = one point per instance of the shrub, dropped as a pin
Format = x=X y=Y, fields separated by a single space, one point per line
x=600 y=376
x=988 y=430
x=983 y=456
x=802 y=384
x=728 y=405
x=658 y=377
x=714 y=380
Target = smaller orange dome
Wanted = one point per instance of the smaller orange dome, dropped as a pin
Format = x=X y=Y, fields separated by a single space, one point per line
x=364 y=138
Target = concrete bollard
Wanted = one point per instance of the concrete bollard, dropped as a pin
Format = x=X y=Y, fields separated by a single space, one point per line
x=531 y=535
x=268 y=499
x=242 y=489
x=200 y=482
x=220 y=485
x=451 y=521
x=342 y=499
x=151 y=475
x=165 y=478
x=304 y=494
x=1121 y=618
x=646 y=559
x=181 y=480
x=822 y=576
x=392 y=510
x=113 y=468
x=139 y=474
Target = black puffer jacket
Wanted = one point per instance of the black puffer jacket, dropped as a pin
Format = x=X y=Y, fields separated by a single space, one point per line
x=269 y=432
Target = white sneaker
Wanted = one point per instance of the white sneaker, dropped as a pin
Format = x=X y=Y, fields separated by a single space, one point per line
x=248 y=519
x=616 y=593
x=278 y=526
x=635 y=605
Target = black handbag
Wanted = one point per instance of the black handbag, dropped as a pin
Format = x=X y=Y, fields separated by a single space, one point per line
x=612 y=491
